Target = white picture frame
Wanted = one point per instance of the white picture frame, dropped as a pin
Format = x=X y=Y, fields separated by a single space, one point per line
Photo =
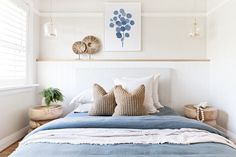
x=122 y=27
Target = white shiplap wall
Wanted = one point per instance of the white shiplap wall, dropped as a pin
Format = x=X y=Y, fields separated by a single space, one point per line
x=221 y=50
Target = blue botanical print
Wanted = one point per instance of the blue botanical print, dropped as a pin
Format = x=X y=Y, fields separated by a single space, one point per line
x=122 y=22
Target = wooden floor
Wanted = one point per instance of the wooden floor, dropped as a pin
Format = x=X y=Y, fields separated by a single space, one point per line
x=9 y=150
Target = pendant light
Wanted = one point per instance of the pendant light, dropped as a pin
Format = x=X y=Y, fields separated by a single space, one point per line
x=49 y=27
x=195 y=26
x=195 y=30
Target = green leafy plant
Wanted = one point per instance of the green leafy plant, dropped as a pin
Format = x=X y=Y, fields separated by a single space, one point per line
x=52 y=95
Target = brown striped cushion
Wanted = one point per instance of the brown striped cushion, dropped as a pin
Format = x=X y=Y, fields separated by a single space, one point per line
x=129 y=104
x=104 y=103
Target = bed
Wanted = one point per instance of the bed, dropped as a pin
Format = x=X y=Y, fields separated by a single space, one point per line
x=166 y=118
x=78 y=134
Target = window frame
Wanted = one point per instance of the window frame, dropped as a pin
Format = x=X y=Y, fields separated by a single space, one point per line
x=22 y=4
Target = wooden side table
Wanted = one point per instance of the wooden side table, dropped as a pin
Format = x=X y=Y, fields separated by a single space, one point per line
x=40 y=115
x=210 y=114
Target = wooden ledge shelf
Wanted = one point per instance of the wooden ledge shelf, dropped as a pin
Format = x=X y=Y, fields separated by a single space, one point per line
x=128 y=60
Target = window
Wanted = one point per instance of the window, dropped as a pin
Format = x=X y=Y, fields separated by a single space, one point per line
x=13 y=43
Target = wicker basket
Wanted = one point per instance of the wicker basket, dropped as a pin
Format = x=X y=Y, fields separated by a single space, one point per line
x=210 y=113
x=43 y=113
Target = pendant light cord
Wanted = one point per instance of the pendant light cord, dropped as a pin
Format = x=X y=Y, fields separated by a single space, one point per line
x=51 y=11
x=195 y=9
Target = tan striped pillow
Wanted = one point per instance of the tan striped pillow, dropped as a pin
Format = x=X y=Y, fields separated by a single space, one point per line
x=104 y=103
x=129 y=104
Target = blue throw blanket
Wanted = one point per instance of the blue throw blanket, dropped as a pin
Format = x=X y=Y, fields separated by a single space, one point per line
x=166 y=119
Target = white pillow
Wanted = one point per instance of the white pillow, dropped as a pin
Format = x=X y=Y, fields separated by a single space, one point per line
x=83 y=107
x=131 y=83
x=155 y=88
x=84 y=97
x=155 y=94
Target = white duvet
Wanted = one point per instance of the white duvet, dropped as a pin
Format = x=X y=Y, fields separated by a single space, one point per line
x=125 y=136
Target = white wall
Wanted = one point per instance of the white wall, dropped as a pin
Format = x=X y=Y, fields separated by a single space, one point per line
x=14 y=108
x=163 y=36
x=221 y=50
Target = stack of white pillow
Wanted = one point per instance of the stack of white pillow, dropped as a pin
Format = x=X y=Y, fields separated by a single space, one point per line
x=84 y=100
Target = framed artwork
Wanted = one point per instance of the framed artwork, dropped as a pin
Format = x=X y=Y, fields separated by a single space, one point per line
x=122 y=27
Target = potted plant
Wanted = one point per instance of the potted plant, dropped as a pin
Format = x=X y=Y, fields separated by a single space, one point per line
x=51 y=95
x=47 y=111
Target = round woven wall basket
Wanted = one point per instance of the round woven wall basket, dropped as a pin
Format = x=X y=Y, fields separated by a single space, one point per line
x=93 y=44
x=79 y=47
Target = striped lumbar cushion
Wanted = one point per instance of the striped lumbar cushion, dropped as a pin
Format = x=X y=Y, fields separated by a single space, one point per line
x=129 y=104
x=104 y=103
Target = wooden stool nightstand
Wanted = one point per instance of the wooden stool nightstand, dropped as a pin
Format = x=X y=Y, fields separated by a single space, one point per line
x=40 y=115
x=207 y=115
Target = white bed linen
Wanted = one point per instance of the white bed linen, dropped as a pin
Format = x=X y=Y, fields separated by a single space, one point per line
x=81 y=108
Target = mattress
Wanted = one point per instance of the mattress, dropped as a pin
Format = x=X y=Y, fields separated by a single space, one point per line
x=165 y=119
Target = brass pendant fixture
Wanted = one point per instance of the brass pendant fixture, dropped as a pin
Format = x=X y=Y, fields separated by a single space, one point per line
x=195 y=30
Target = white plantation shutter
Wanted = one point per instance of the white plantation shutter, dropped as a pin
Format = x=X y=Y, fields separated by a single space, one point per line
x=13 y=42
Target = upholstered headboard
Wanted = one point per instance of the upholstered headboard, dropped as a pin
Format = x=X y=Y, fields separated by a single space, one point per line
x=88 y=76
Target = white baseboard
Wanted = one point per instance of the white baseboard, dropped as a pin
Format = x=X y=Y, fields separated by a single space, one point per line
x=231 y=135
x=9 y=140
